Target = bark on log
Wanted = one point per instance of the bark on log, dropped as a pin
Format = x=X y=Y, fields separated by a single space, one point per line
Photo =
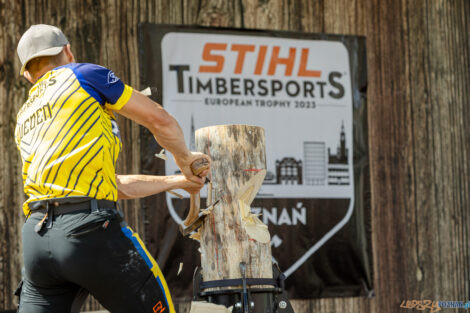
x=231 y=234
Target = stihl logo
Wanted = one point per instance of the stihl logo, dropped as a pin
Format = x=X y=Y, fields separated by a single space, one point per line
x=159 y=308
x=258 y=69
x=214 y=53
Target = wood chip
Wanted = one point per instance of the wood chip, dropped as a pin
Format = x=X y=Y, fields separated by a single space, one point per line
x=147 y=92
x=196 y=235
x=162 y=155
x=206 y=307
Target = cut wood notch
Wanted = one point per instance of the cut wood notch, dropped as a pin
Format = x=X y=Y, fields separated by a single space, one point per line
x=254 y=227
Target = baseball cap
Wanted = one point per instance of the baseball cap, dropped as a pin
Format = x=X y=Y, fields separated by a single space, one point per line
x=40 y=40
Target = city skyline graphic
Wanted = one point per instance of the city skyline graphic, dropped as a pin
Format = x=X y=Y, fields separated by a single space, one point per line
x=319 y=166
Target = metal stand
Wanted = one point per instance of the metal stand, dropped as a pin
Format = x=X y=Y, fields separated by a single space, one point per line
x=246 y=299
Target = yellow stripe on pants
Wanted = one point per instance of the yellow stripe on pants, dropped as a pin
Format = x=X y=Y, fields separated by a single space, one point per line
x=135 y=238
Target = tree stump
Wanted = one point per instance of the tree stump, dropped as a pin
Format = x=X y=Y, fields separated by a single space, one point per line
x=231 y=233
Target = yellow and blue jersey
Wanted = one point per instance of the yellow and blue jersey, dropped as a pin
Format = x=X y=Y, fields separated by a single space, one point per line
x=67 y=136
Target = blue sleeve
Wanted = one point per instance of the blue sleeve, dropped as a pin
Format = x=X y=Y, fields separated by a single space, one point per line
x=99 y=82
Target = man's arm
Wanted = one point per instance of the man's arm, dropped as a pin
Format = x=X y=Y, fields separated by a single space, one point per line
x=139 y=186
x=111 y=92
x=165 y=129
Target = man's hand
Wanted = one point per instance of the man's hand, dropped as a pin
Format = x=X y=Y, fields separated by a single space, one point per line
x=188 y=185
x=185 y=166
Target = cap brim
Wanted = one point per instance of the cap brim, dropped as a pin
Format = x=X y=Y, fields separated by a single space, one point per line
x=43 y=53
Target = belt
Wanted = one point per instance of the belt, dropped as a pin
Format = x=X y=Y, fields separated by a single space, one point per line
x=70 y=204
x=58 y=206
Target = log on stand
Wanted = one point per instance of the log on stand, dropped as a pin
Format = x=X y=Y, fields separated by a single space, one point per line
x=238 y=155
x=236 y=255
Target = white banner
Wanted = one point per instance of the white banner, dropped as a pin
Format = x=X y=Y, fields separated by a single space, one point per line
x=298 y=90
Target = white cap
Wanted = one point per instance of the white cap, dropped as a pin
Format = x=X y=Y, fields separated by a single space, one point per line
x=40 y=40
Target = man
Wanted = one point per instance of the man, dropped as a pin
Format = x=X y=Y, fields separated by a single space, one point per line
x=74 y=240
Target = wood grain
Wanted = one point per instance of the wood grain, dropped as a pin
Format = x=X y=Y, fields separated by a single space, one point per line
x=419 y=123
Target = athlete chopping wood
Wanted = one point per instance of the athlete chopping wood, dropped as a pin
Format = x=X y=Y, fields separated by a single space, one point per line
x=74 y=239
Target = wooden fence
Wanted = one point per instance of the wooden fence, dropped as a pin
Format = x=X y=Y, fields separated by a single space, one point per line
x=419 y=122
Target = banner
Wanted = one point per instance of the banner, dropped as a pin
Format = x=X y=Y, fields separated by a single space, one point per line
x=307 y=92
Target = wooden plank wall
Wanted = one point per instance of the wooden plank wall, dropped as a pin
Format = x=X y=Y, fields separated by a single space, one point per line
x=419 y=122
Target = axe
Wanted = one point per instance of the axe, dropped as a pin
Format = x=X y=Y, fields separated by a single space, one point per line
x=194 y=219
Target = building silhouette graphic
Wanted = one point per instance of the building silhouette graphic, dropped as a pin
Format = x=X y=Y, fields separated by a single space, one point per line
x=289 y=171
x=338 y=169
x=314 y=163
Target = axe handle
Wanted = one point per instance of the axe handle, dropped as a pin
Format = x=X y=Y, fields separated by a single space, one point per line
x=194 y=207
x=197 y=167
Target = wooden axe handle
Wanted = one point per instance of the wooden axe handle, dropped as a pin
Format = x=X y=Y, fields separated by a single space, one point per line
x=197 y=167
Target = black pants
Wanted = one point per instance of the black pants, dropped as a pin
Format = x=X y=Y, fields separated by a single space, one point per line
x=89 y=253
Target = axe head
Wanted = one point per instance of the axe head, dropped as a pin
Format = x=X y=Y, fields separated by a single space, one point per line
x=198 y=221
x=186 y=230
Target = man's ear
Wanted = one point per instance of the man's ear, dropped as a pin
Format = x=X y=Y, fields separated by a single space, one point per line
x=69 y=54
x=28 y=76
